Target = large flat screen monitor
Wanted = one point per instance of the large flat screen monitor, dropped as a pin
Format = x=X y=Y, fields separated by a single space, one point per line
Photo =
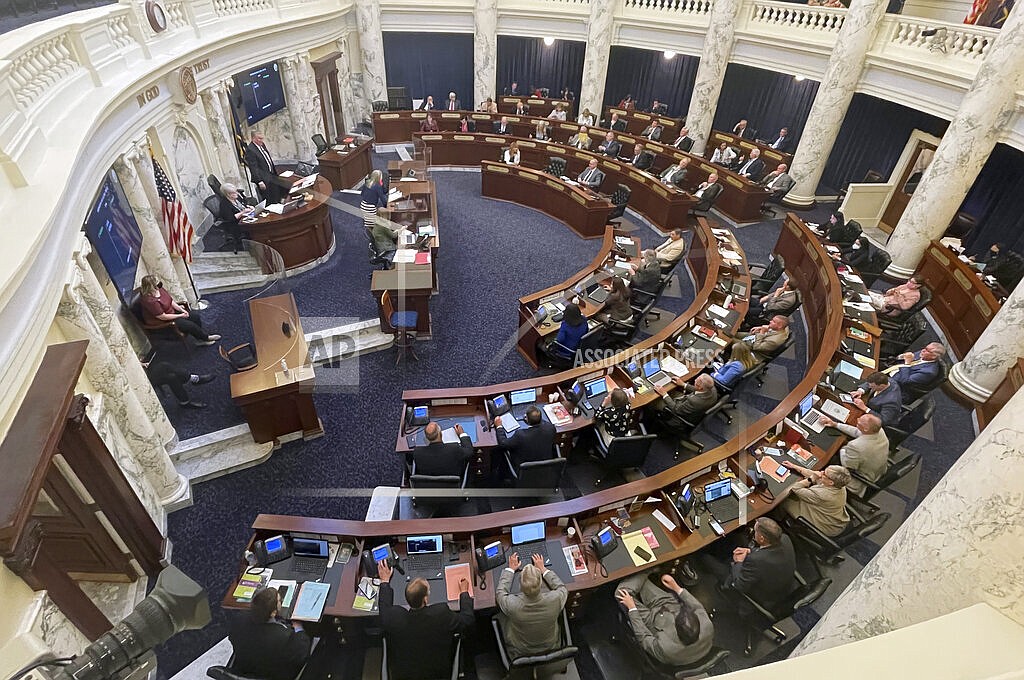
x=115 y=235
x=260 y=91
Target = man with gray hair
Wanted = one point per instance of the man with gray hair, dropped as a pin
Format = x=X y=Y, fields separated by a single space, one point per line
x=917 y=370
x=696 y=398
x=647 y=275
x=765 y=569
x=529 y=619
x=820 y=498
x=867 y=452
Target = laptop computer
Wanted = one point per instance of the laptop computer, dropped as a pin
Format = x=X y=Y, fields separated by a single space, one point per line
x=653 y=372
x=521 y=401
x=309 y=558
x=528 y=540
x=810 y=417
x=719 y=501
x=593 y=393
x=846 y=376
x=597 y=292
x=425 y=557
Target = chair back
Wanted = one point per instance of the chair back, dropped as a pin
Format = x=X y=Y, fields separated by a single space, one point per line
x=593 y=339
x=896 y=472
x=803 y=596
x=387 y=306
x=556 y=166
x=135 y=306
x=379 y=105
x=212 y=204
x=225 y=673
x=911 y=422
x=435 y=482
x=781 y=349
x=541 y=474
x=629 y=452
x=620 y=197
x=856 y=531
x=304 y=169
x=214 y=183
x=880 y=261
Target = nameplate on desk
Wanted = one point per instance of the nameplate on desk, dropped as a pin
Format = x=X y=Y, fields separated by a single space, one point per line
x=431 y=138
x=554 y=184
x=464 y=138
x=661 y=191
x=735 y=181
x=580 y=154
x=293 y=375
x=497 y=168
x=416 y=114
x=480 y=116
x=553 y=149
x=579 y=199
x=451 y=115
x=774 y=155
x=535 y=101
x=708 y=168
x=454 y=401
x=389 y=116
x=492 y=140
x=568 y=126
x=530 y=176
x=982 y=304
x=637 y=176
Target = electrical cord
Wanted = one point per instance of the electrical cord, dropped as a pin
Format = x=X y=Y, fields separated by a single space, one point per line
x=62 y=661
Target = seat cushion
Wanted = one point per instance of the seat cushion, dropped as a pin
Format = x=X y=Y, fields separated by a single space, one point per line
x=405 y=319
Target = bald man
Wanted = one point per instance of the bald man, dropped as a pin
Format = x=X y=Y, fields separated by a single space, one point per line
x=696 y=399
x=867 y=452
x=439 y=458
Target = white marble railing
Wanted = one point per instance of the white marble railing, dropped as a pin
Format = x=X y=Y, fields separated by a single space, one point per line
x=236 y=7
x=177 y=16
x=671 y=7
x=41 y=67
x=783 y=15
x=120 y=30
x=953 y=40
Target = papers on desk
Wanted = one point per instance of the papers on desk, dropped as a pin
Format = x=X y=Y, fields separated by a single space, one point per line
x=859 y=306
x=339 y=147
x=864 y=360
x=394 y=195
x=366 y=594
x=408 y=179
x=289 y=593
x=851 y=277
x=253 y=579
x=309 y=606
x=574 y=558
x=835 y=411
x=636 y=539
x=426 y=230
x=673 y=366
x=287 y=173
x=730 y=254
x=276 y=208
x=557 y=414
x=405 y=256
x=718 y=310
x=721 y=232
x=623 y=240
x=665 y=521
x=453 y=573
x=509 y=422
x=450 y=436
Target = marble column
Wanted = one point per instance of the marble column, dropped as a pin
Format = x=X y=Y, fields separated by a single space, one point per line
x=105 y=373
x=984 y=113
x=303 y=104
x=103 y=314
x=155 y=255
x=354 y=106
x=485 y=50
x=835 y=91
x=222 y=133
x=714 y=59
x=963 y=544
x=371 y=48
x=595 y=59
x=979 y=373
x=143 y=166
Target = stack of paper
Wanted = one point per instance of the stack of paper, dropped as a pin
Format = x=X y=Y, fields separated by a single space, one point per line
x=450 y=436
x=405 y=256
x=453 y=574
x=557 y=414
x=574 y=558
x=673 y=366
x=253 y=579
x=366 y=595
x=289 y=588
x=309 y=606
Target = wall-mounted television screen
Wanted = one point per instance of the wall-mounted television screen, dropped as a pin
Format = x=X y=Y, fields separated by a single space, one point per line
x=260 y=91
x=115 y=235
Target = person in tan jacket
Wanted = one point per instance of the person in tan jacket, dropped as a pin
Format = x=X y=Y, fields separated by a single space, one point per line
x=820 y=498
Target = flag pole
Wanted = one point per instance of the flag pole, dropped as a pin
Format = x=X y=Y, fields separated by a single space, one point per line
x=200 y=303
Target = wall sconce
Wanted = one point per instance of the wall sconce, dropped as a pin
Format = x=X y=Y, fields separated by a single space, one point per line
x=668 y=54
x=548 y=42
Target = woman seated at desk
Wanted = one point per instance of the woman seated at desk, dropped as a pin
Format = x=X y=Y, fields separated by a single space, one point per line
x=231 y=210
x=540 y=133
x=429 y=124
x=614 y=418
x=511 y=155
x=558 y=113
x=724 y=155
x=741 y=360
x=586 y=118
x=488 y=106
x=574 y=327
x=616 y=305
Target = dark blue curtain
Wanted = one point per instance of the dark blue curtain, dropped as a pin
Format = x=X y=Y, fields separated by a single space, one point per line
x=648 y=75
x=997 y=201
x=431 y=63
x=532 y=64
x=768 y=100
x=872 y=137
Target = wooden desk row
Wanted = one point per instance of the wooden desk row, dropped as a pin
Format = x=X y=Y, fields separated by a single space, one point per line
x=538 y=106
x=770 y=156
x=740 y=199
x=344 y=168
x=638 y=121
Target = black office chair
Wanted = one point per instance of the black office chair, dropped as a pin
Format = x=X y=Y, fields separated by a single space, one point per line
x=624 y=452
x=225 y=672
x=895 y=342
x=704 y=205
x=304 y=169
x=763 y=277
x=763 y=619
x=321 y=143
x=910 y=422
x=912 y=393
x=643 y=301
x=1008 y=270
x=745 y=377
x=779 y=351
x=826 y=549
x=620 y=332
x=880 y=261
x=214 y=183
x=860 y=506
x=556 y=166
x=445 y=488
x=378 y=258
x=233 y=235
x=538 y=474
x=646 y=666
x=685 y=428
x=619 y=199
x=456 y=656
x=379 y=105
x=537 y=665
x=894 y=322
x=559 y=356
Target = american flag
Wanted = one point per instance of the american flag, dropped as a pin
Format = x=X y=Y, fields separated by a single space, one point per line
x=179 y=229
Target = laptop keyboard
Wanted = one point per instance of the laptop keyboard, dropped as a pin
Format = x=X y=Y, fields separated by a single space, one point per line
x=425 y=563
x=309 y=565
x=526 y=551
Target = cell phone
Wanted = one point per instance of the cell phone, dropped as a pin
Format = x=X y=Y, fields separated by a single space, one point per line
x=642 y=554
x=781 y=472
x=716 y=527
x=847 y=399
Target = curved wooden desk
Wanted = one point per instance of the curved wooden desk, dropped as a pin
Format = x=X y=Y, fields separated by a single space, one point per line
x=637 y=122
x=665 y=207
x=816 y=278
x=583 y=211
x=740 y=199
x=301 y=236
x=538 y=106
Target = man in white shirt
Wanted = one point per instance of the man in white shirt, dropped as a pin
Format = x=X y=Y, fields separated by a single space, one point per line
x=782 y=142
x=675 y=174
x=754 y=166
x=428 y=104
x=867 y=452
x=591 y=177
x=672 y=250
x=779 y=182
x=683 y=142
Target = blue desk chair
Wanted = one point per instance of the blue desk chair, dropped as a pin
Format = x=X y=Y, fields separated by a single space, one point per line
x=401 y=324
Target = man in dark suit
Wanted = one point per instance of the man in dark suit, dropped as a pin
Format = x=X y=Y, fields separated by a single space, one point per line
x=614 y=123
x=683 y=142
x=754 y=167
x=743 y=130
x=440 y=458
x=641 y=159
x=610 y=147
x=420 y=637
x=881 y=397
x=522 y=109
x=707 y=192
x=782 y=142
x=675 y=174
x=534 y=442
x=918 y=370
x=765 y=569
x=591 y=176
x=695 y=401
x=427 y=104
x=263 y=646
x=264 y=171
x=514 y=90
x=453 y=104
x=503 y=127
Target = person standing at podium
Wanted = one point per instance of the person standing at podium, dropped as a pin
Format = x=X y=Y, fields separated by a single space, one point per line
x=371 y=197
x=264 y=171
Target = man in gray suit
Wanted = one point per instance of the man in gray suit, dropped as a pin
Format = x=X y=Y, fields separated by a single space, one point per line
x=591 y=177
x=778 y=182
x=529 y=619
x=670 y=625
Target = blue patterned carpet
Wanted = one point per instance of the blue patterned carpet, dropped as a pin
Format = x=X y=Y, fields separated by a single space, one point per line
x=492 y=253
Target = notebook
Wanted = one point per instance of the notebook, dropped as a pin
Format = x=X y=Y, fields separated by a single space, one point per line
x=454 y=573
x=311 y=601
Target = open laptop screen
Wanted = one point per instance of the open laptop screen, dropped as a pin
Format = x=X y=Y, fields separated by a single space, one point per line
x=651 y=367
x=420 y=545
x=596 y=388
x=527 y=533
x=524 y=396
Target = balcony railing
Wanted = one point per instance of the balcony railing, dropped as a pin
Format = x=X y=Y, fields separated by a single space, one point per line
x=785 y=15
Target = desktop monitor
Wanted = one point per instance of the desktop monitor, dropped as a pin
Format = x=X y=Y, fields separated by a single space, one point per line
x=651 y=366
x=716 y=490
x=806 y=404
x=527 y=533
x=422 y=545
x=596 y=387
x=115 y=235
x=524 y=396
x=259 y=92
